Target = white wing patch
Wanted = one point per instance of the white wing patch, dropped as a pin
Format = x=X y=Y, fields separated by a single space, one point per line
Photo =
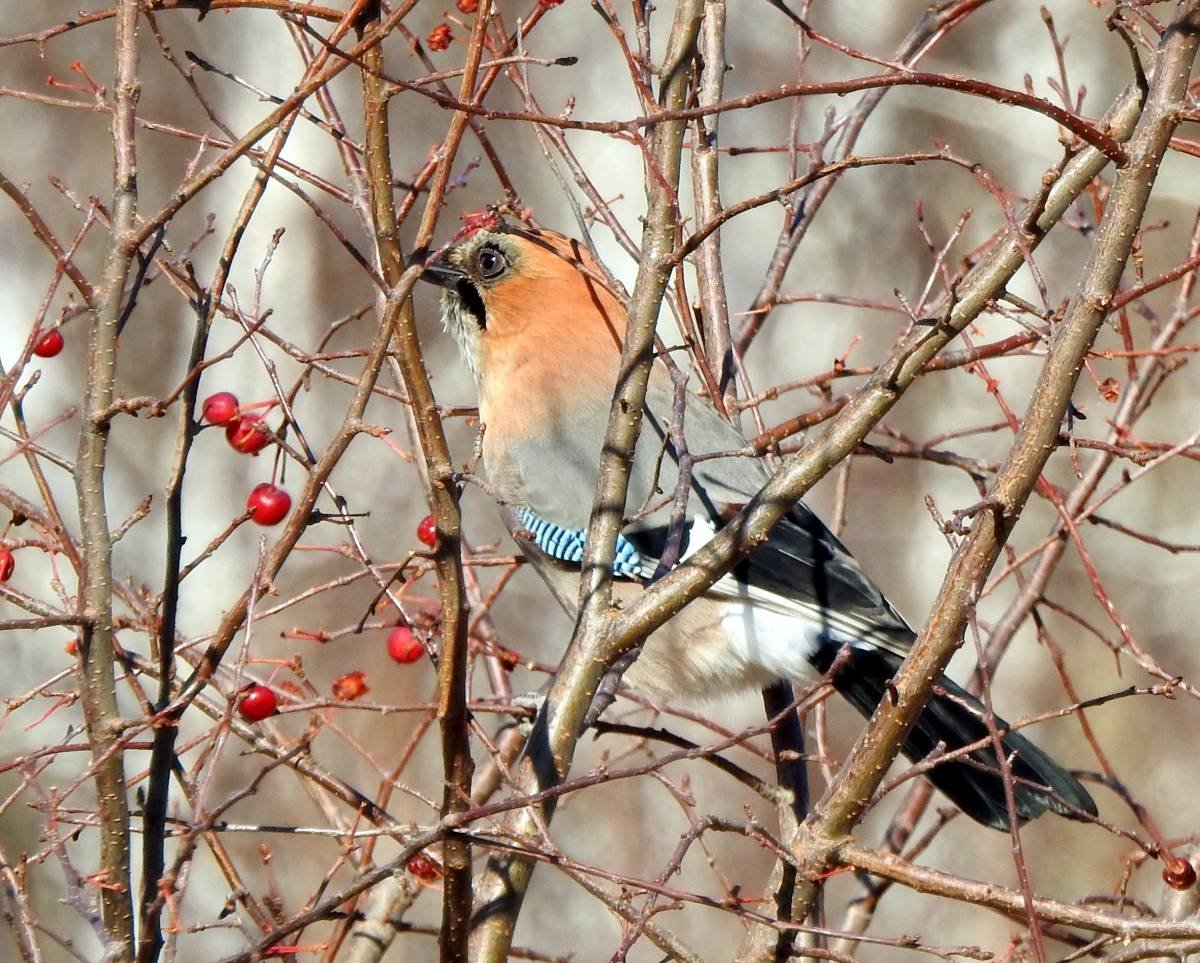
x=770 y=632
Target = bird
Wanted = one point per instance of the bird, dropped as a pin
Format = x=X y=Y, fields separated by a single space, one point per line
x=540 y=330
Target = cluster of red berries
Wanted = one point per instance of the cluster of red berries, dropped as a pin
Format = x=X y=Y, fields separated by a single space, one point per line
x=258 y=702
x=440 y=38
x=244 y=430
x=402 y=644
x=268 y=504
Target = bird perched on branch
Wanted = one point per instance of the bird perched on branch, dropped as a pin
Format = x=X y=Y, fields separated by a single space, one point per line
x=541 y=333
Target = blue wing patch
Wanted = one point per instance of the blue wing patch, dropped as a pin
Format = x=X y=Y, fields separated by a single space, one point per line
x=566 y=544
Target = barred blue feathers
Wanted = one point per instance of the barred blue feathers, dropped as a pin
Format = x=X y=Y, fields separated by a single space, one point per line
x=566 y=544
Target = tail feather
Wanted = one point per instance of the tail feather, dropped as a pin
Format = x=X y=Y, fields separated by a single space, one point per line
x=974 y=783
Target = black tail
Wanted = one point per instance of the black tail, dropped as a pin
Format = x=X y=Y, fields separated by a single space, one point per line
x=974 y=783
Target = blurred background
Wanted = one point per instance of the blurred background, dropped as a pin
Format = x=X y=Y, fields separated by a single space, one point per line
x=866 y=243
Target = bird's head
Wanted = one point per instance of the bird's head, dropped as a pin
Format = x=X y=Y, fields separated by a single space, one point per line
x=515 y=298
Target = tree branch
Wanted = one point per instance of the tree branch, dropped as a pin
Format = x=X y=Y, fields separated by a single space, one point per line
x=453 y=715
x=97 y=650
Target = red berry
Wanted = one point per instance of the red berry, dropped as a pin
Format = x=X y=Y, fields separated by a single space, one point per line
x=427 y=531
x=220 y=409
x=439 y=37
x=1179 y=874
x=246 y=435
x=422 y=867
x=8 y=565
x=547 y=4
x=468 y=6
x=257 y=703
x=49 y=344
x=268 y=504
x=350 y=686
x=403 y=646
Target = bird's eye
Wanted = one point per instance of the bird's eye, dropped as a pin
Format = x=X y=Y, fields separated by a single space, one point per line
x=490 y=263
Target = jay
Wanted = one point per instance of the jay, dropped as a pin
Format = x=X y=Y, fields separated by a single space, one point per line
x=541 y=333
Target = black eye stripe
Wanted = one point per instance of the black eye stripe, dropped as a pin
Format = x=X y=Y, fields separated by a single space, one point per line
x=469 y=296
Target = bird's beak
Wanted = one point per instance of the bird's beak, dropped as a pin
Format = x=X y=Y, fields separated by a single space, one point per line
x=442 y=273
